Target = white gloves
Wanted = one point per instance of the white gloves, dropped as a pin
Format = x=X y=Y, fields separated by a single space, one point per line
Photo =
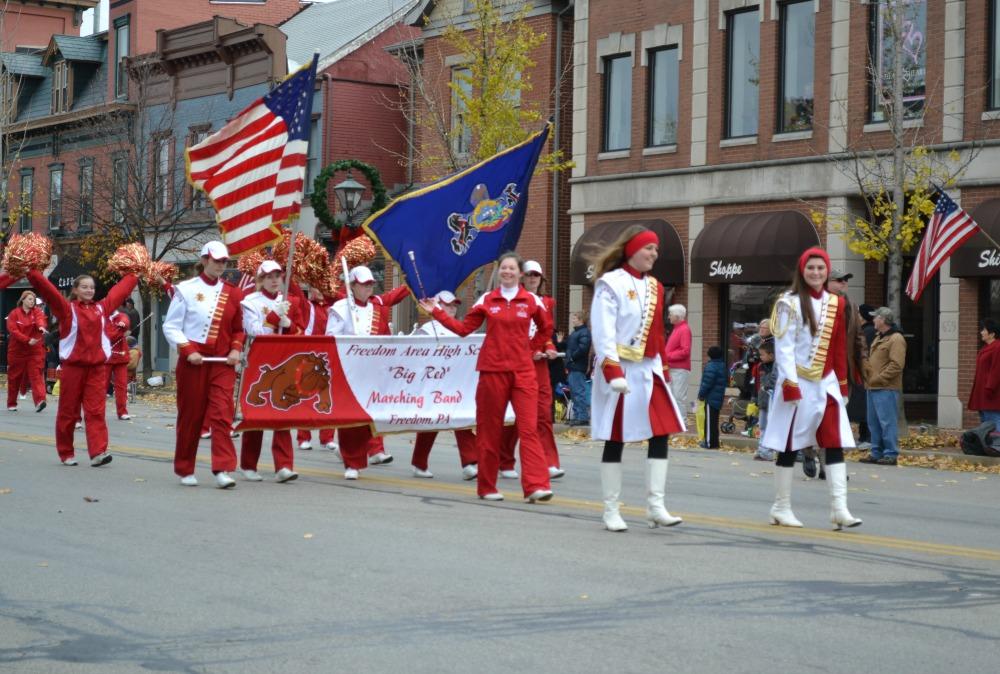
x=285 y=321
x=281 y=306
x=619 y=385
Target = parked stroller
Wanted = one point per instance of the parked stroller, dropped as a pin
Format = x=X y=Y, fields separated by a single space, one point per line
x=743 y=410
x=563 y=402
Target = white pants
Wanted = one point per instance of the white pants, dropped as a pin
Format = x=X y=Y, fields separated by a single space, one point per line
x=679 y=387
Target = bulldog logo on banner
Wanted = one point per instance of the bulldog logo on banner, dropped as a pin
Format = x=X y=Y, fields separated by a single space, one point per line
x=302 y=377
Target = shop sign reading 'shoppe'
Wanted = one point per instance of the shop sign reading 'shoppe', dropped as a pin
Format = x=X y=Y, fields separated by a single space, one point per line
x=726 y=270
x=989 y=258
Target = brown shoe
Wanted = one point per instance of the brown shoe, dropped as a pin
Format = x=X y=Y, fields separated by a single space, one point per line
x=887 y=461
x=868 y=459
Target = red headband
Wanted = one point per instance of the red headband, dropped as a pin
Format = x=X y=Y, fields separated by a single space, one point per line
x=640 y=241
x=810 y=253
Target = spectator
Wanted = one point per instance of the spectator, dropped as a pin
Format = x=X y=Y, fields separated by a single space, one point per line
x=578 y=363
x=713 y=391
x=868 y=330
x=679 y=355
x=985 y=395
x=128 y=308
x=884 y=381
x=767 y=377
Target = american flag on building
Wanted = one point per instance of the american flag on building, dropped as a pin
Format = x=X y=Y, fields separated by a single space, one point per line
x=949 y=228
x=253 y=169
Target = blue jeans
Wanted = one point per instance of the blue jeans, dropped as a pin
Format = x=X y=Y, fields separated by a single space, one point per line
x=990 y=415
x=581 y=396
x=882 y=421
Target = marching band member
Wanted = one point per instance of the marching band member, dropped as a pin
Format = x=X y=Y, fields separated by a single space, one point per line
x=532 y=282
x=119 y=327
x=632 y=400
x=266 y=313
x=316 y=309
x=366 y=315
x=465 y=438
x=84 y=349
x=205 y=319
x=26 y=351
x=506 y=374
x=810 y=354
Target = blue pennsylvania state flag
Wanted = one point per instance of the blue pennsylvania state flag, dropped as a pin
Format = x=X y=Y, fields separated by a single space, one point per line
x=460 y=223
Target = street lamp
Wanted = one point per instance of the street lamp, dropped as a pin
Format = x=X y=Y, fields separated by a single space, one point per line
x=349 y=195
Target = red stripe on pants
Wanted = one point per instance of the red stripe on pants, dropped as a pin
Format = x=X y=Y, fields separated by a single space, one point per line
x=281 y=449
x=466 y=440
x=546 y=435
x=22 y=368
x=204 y=397
x=118 y=377
x=495 y=390
x=82 y=385
x=325 y=435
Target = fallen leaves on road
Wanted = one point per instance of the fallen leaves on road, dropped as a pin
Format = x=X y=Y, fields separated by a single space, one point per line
x=139 y=479
x=43 y=564
x=91 y=499
x=6 y=490
x=307 y=536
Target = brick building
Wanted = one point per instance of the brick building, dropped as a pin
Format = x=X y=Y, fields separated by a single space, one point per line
x=730 y=121
x=546 y=233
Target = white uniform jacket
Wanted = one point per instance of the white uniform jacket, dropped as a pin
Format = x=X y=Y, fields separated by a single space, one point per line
x=256 y=307
x=194 y=312
x=805 y=362
x=347 y=320
x=621 y=318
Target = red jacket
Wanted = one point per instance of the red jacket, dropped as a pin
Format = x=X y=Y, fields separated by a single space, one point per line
x=507 y=347
x=6 y=280
x=679 y=347
x=82 y=336
x=118 y=330
x=985 y=394
x=24 y=326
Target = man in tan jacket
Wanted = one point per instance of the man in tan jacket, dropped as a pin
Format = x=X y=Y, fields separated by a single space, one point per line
x=884 y=380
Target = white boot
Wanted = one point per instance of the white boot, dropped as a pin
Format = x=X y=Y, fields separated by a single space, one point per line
x=840 y=516
x=781 y=511
x=611 y=488
x=656 y=486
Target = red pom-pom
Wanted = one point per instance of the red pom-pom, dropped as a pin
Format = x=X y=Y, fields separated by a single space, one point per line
x=132 y=258
x=310 y=262
x=249 y=262
x=159 y=273
x=27 y=252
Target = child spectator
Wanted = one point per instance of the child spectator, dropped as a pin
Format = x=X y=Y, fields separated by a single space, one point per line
x=713 y=391
x=766 y=379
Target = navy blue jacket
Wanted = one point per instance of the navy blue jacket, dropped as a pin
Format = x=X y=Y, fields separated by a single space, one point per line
x=578 y=350
x=713 y=383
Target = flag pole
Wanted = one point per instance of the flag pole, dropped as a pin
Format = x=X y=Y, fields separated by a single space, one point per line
x=288 y=265
x=413 y=260
x=349 y=296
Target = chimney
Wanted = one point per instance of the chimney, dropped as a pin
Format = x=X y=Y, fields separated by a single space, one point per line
x=97 y=19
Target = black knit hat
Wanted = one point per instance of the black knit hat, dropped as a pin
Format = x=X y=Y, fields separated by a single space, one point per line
x=866 y=311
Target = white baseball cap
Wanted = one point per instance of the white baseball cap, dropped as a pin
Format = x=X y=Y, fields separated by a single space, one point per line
x=447 y=297
x=215 y=250
x=267 y=266
x=532 y=266
x=362 y=275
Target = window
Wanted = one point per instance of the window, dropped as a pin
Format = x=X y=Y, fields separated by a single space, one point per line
x=742 y=72
x=617 y=103
x=798 y=32
x=61 y=87
x=27 y=199
x=161 y=174
x=912 y=50
x=121 y=53
x=55 y=197
x=313 y=167
x=8 y=98
x=85 y=216
x=994 y=94
x=461 y=134
x=663 y=95
x=199 y=200
x=119 y=187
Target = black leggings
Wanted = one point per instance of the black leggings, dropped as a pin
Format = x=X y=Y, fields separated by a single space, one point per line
x=658 y=449
x=834 y=455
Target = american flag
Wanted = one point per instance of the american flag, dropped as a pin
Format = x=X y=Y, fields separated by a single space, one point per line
x=948 y=229
x=253 y=168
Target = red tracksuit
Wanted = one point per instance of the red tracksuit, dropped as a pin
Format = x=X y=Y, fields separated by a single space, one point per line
x=281 y=440
x=465 y=438
x=314 y=323
x=358 y=443
x=84 y=349
x=118 y=332
x=204 y=392
x=24 y=360
x=6 y=280
x=506 y=374
x=546 y=434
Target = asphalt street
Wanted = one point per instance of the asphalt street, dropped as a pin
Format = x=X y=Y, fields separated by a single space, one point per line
x=120 y=569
